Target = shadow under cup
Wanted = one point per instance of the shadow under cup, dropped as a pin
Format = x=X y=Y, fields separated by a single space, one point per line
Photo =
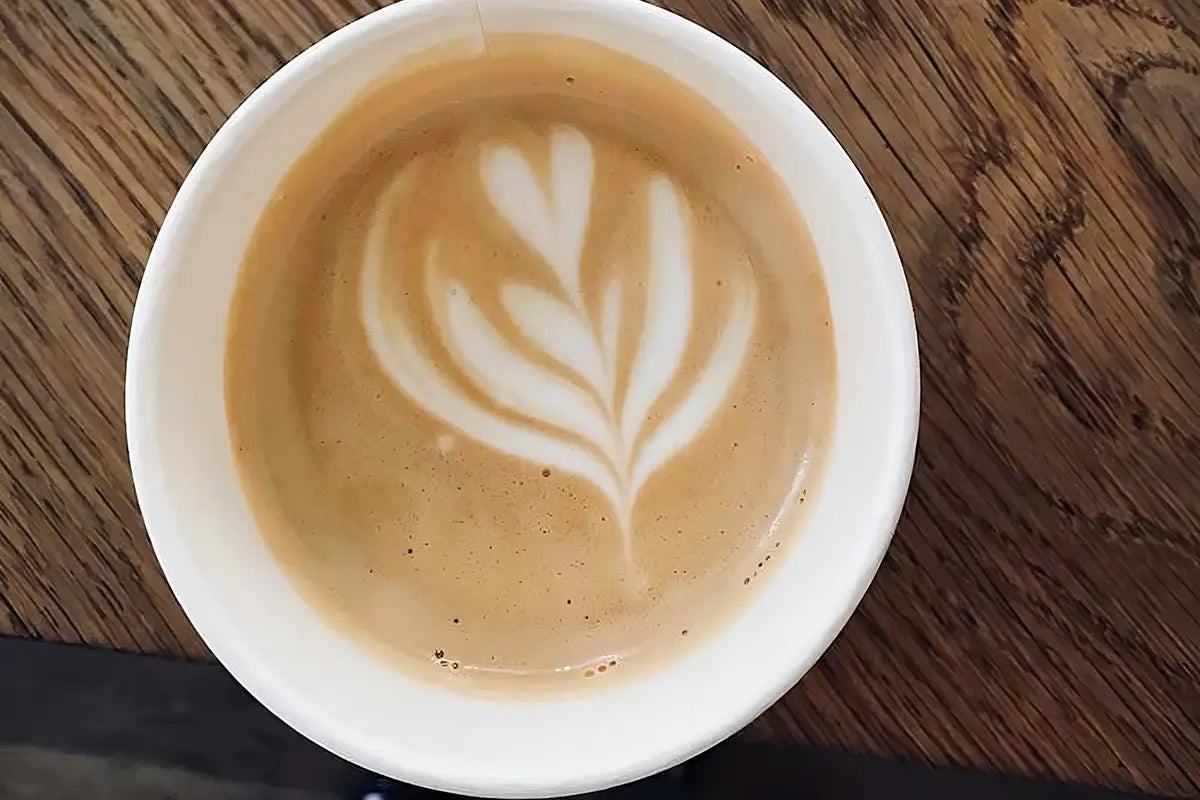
x=266 y=635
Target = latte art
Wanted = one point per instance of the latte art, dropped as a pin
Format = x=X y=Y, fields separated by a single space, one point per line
x=529 y=369
x=596 y=422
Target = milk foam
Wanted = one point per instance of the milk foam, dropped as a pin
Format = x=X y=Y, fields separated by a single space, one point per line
x=522 y=383
x=578 y=417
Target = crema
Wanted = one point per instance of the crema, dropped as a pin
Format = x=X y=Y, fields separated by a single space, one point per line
x=530 y=368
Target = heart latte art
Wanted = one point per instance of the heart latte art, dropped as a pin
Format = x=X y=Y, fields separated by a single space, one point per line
x=529 y=368
x=593 y=425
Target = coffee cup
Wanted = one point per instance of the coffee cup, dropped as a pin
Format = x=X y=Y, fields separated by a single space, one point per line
x=234 y=591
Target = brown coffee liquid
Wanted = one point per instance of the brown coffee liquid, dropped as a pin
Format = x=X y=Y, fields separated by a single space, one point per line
x=529 y=368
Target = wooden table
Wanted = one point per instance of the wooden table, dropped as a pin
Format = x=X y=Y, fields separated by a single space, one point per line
x=1039 y=163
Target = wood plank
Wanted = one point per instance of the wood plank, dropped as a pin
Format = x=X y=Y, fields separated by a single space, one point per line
x=1039 y=164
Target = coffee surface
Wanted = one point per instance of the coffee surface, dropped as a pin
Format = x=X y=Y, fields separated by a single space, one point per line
x=530 y=367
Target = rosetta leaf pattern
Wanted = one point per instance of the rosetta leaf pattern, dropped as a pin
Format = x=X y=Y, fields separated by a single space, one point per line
x=567 y=411
x=558 y=329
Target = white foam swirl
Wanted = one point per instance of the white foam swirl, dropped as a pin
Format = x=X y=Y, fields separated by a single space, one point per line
x=554 y=225
x=394 y=345
x=668 y=312
x=558 y=329
x=599 y=427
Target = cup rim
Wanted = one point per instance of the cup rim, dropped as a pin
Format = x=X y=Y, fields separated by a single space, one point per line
x=254 y=674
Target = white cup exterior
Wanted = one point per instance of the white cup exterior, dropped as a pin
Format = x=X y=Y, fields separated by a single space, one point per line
x=307 y=673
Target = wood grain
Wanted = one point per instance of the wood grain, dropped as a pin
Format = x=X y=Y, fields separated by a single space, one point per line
x=1039 y=164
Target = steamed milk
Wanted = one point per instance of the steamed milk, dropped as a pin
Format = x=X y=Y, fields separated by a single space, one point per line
x=530 y=368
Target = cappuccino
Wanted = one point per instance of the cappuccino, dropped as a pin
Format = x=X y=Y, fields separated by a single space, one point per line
x=529 y=367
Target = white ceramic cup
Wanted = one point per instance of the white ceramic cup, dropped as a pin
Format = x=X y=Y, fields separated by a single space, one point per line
x=317 y=681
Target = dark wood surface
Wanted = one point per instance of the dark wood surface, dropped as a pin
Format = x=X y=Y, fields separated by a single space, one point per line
x=119 y=725
x=1039 y=163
